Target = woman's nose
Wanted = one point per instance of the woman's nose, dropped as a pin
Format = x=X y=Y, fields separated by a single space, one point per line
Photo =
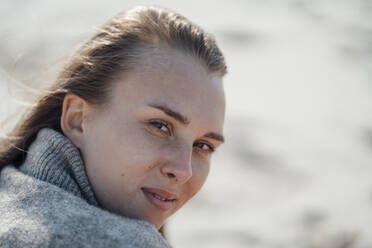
x=178 y=168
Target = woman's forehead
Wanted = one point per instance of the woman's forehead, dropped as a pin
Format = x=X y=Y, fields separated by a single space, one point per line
x=173 y=74
x=180 y=82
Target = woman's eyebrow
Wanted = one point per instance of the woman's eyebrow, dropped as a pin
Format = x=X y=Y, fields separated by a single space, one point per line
x=172 y=113
x=184 y=120
x=215 y=136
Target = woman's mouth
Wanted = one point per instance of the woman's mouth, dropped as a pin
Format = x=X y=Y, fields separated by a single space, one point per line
x=162 y=199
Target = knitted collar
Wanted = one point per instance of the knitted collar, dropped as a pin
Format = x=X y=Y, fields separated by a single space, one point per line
x=54 y=159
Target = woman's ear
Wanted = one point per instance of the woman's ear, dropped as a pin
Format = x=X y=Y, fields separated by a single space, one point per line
x=74 y=110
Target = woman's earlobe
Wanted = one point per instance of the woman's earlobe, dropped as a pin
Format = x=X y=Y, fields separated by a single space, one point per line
x=72 y=118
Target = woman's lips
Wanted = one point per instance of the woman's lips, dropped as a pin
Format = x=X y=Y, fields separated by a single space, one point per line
x=160 y=198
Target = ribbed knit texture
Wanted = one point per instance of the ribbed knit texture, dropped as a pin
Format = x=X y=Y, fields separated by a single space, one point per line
x=54 y=159
x=48 y=202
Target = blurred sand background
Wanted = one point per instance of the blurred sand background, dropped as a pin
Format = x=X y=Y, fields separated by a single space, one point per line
x=296 y=170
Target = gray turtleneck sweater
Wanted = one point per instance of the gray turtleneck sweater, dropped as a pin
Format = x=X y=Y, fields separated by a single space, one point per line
x=48 y=202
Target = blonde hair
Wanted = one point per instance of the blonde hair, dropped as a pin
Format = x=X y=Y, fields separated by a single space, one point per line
x=116 y=47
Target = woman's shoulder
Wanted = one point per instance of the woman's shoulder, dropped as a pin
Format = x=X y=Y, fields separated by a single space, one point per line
x=35 y=213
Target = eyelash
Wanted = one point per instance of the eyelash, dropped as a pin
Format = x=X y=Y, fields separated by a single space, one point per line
x=158 y=124
x=211 y=148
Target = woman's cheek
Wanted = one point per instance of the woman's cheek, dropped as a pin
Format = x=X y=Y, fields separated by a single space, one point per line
x=200 y=174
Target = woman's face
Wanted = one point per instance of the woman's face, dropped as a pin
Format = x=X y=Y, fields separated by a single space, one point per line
x=148 y=151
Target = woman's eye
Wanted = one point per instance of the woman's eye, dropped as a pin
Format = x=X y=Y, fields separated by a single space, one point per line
x=161 y=126
x=207 y=148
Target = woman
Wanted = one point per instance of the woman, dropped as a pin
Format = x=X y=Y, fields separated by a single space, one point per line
x=121 y=142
